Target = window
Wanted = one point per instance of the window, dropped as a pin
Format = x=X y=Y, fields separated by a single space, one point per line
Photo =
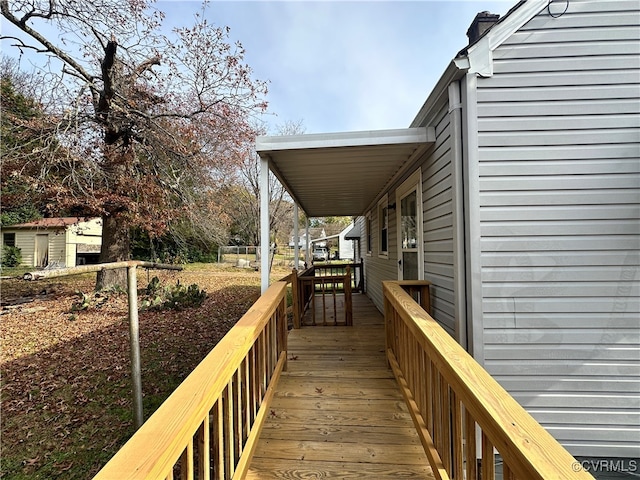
x=9 y=239
x=383 y=226
x=368 y=226
x=409 y=228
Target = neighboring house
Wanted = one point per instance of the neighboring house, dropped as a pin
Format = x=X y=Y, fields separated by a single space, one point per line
x=63 y=242
x=345 y=246
x=516 y=192
x=314 y=234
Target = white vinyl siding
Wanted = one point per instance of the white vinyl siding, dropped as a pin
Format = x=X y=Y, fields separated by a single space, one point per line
x=437 y=199
x=57 y=248
x=559 y=148
x=62 y=242
x=377 y=266
x=438 y=244
x=437 y=230
x=25 y=241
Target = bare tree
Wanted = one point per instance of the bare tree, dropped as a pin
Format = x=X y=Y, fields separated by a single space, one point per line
x=245 y=196
x=147 y=124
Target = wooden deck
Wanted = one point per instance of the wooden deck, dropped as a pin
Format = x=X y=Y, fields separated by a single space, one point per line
x=338 y=411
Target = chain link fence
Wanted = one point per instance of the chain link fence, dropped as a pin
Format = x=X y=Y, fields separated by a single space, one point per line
x=248 y=256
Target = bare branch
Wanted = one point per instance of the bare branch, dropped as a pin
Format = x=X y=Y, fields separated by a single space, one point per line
x=50 y=47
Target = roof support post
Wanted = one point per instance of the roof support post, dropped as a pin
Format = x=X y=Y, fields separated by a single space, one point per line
x=307 y=258
x=264 y=223
x=296 y=235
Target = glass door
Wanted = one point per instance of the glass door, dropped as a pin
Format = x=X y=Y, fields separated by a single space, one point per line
x=409 y=211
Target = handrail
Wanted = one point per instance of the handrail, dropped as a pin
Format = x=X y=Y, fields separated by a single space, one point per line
x=328 y=286
x=334 y=269
x=209 y=426
x=452 y=399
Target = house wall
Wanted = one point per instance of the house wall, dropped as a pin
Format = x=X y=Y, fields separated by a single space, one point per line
x=438 y=233
x=25 y=241
x=377 y=268
x=346 y=250
x=62 y=241
x=57 y=246
x=559 y=217
x=438 y=215
x=89 y=232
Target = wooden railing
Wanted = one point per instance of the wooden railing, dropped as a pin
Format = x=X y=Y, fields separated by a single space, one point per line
x=337 y=269
x=454 y=401
x=323 y=284
x=208 y=427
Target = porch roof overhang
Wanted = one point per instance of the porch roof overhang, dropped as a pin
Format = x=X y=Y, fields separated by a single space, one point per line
x=342 y=174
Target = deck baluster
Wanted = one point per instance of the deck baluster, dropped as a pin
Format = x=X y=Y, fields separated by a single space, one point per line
x=453 y=381
x=471 y=448
x=488 y=459
x=457 y=436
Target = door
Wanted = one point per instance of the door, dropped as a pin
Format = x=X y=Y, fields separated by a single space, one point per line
x=409 y=221
x=41 y=254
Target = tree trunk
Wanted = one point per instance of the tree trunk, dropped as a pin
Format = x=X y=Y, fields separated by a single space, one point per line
x=115 y=248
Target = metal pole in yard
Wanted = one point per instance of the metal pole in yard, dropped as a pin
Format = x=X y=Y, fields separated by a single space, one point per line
x=134 y=341
x=134 y=334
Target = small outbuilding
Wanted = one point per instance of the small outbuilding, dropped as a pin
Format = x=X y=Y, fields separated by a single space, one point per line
x=62 y=241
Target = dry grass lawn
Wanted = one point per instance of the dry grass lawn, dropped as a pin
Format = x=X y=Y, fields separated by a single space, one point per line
x=66 y=391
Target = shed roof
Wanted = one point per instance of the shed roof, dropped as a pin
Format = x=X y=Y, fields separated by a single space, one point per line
x=56 y=222
x=342 y=173
x=353 y=234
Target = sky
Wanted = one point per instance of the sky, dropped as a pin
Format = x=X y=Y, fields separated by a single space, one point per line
x=342 y=65
x=346 y=66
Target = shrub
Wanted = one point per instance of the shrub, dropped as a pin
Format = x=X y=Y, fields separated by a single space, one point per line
x=95 y=299
x=11 y=256
x=175 y=296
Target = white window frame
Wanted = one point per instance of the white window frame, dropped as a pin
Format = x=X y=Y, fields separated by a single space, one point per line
x=368 y=240
x=413 y=183
x=383 y=226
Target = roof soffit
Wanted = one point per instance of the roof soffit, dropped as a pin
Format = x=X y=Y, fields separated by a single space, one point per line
x=340 y=173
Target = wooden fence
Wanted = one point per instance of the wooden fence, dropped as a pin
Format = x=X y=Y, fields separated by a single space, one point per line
x=454 y=401
x=208 y=427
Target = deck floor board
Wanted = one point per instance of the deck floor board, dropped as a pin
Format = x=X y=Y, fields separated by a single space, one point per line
x=337 y=411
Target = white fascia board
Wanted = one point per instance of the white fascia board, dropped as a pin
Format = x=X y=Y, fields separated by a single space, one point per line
x=480 y=55
x=266 y=144
x=453 y=72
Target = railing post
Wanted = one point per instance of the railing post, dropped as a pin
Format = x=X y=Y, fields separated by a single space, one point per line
x=361 y=282
x=295 y=293
x=282 y=329
x=425 y=298
x=348 y=303
x=134 y=341
x=388 y=312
